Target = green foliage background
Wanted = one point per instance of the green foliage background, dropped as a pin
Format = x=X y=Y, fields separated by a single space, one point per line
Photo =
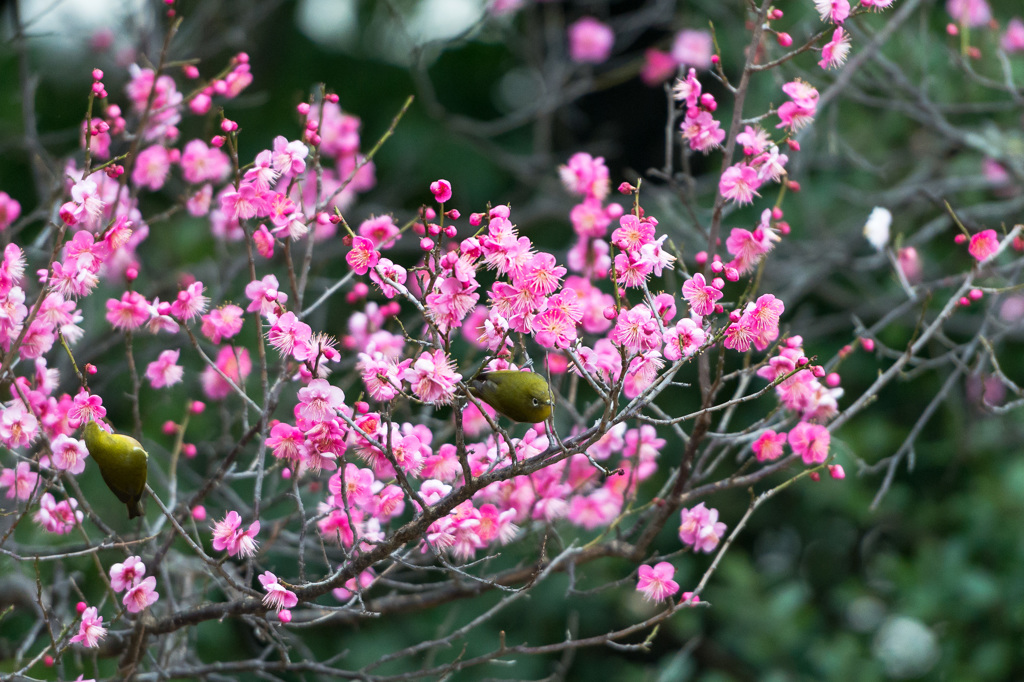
x=820 y=582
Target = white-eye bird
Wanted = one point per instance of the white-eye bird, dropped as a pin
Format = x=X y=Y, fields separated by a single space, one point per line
x=122 y=462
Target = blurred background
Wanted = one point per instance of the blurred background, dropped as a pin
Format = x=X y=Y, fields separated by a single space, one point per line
x=831 y=580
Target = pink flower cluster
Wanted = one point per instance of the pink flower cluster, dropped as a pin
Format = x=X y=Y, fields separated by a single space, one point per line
x=228 y=535
x=141 y=592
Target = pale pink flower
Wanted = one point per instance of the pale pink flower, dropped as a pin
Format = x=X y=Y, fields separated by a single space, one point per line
x=739 y=183
x=590 y=41
x=836 y=11
x=19 y=481
x=289 y=158
x=278 y=597
x=165 y=370
x=152 y=167
x=228 y=534
x=692 y=48
x=68 y=454
x=320 y=400
x=433 y=377
x=141 y=595
x=123 y=576
x=969 y=12
x=222 y=323
x=683 y=340
x=1012 y=41
x=834 y=52
x=656 y=583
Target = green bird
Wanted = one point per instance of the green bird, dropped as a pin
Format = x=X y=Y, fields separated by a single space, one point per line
x=520 y=396
x=122 y=462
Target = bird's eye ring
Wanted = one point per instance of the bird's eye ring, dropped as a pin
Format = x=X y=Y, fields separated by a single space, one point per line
x=536 y=402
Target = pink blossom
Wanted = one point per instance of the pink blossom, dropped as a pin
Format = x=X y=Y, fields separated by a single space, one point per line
x=189 y=302
x=228 y=534
x=19 y=481
x=433 y=377
x=768 y=446
x=291 y=336
x=222 y=323
x=636 y=330
x=320 y=401
x=659 y=66
x=837 y=11
x=541 y=275
x=1012 y=41
x=692 y=48
x=247 y=202
x=10 y=209
x=289 y=158
x=596 y=510
x=287 y=442
x=656 y=583
x=68 y=454
x=90 y=630
x=363 y=256
x=380 y=230
x=123 y=576
x=684 y=339
x=380 y=375
x=983 y=244
x=235 y=365
x=129 y=313
x=278 y=596
x=834 y=52
x=165 y=370
x=810 y=441
x=442 y=191
x=57 y=517
x=969 y=12
x=152 y=167
x=200 y=163
x=585 y=175
x=739 y=183
x=385 y=272
x=754 y=140
x=700 y=295
x=265 y=296
x=18 y=426
x=701 y=528
x=590 y=41
x=142 y=595
x=800 y=111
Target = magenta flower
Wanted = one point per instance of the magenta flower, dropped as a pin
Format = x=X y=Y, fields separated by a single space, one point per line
x=833 y=54
x=442 y=191
x=131 y=312
x=277 y=597
x=983 y=244
x=810 y=441
x=700 y=295
x=769 y=445
x=142 y=595
x=90 y=630
x=189 y=302
x=363 y=255
x=656 y=583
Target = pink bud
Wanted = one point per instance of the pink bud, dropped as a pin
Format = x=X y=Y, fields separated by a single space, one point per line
x=475 y=219
x=90 y=368
x=715 y=59
x=450 y=231
x=302 y=108
x=960 y=238
x=815 y=476
x=776 y=213
x=818 y=371
x=610 y=313
x=199 y=512
x=286 y=473
x=836 y=471
x=197 y=407
x=735 y=315
x=732 y=274
x=785 y=40
x=964 y=302
x=362 y=407
x=793 y=185
x=976 y=294
x=832 y=379
x=131 y=273
x=626 y=188
x=97 y=74
x=717 y=266
x=793 y=144
x=217 y=141
x=427 y=244
x=701 y=257
x=284 y=615
x=952 y=29
x=868 y=344
x=81 y=607
x=453 y=214
x=228 y=126
x=48 y=661
x=189 y=450
x=190 y=71
x=433 y=229
x=707 y=100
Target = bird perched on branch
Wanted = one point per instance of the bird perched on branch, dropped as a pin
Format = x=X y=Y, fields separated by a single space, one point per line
x=520 y=396
x=122 y=462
